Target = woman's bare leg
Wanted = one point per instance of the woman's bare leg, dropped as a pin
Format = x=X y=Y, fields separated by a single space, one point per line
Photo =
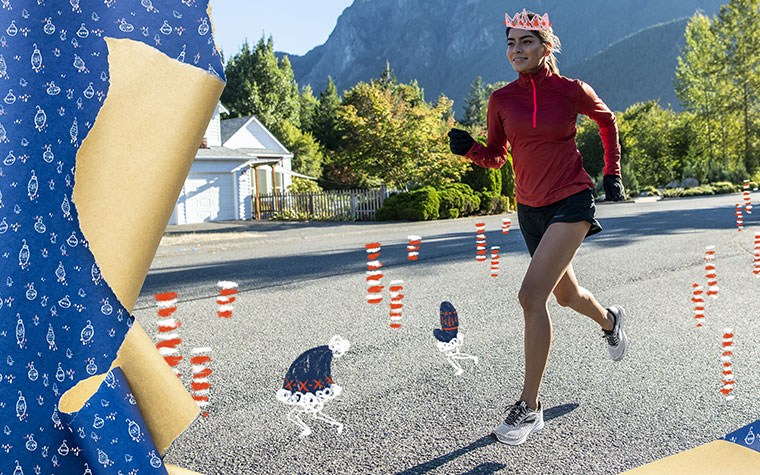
x=554 y=254
x=570 y=294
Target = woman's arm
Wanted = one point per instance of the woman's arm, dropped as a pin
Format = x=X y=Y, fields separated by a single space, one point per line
x=590 y=105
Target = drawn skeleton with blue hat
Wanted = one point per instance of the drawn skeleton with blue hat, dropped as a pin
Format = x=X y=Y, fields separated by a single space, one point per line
x=450 y=338
x=308 y=383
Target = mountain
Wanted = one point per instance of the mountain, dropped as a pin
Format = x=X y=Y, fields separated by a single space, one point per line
x=637 y=68
x=445 y=44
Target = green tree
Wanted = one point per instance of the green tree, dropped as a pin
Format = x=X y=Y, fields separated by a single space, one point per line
x=307 y=157
x=259 y=84
x=391 y=135
x=476 y=105
x=324 y=124
x=307 y=108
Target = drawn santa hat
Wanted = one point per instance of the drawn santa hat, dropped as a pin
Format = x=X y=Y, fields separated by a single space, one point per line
x=308 y=381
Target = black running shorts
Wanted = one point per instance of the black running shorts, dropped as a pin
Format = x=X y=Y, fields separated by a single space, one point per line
x=534 y=220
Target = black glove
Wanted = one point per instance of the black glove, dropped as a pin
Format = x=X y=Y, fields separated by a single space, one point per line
x=613 y=188
x=460 y=141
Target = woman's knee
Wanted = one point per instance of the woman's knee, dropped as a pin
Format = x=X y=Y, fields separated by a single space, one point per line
x=531 y=298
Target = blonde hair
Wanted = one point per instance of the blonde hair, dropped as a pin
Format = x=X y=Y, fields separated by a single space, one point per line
x=549 y=40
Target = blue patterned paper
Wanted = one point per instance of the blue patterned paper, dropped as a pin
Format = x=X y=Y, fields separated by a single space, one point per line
x=59 y=321
x=111 y=431
x=747 y=436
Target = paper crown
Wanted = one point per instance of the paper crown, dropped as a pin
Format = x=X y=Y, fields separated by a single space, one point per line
x=522 y=21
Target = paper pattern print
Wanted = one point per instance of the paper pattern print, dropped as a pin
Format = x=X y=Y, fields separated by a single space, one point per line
x=746 y=436
x=59 y=320
x=309 y=384
x=450 y=339
x=111 y=433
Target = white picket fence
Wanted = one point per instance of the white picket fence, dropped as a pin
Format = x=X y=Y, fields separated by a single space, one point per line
x=354 y=204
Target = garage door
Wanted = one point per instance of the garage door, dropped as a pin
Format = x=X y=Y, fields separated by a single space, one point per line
x=209 y=197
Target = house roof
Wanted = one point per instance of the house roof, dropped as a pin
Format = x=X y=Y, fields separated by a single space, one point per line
x=230 y=126
x=247 y=133
x=262 y=152
x=221 y=152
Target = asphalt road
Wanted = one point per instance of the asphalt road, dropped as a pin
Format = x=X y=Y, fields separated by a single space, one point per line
x=403 y=408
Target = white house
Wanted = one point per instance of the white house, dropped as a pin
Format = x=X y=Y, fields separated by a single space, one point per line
x=235 y=155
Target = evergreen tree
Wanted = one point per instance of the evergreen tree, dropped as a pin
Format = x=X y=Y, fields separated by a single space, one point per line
x=307 y=108
x=324 y=125
x=476 y=106
x=259 y=84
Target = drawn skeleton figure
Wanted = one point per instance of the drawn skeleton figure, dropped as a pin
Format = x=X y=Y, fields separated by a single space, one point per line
x=450 y=339
x=309 y=385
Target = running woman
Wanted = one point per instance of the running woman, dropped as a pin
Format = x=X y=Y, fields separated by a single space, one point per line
x=536 y=115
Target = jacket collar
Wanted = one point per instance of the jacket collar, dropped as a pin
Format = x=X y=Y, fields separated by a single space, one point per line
x=538 y=77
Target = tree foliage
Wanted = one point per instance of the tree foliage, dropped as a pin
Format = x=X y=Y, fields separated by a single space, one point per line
x=391 y=135
x=718 y=81
x=259 y=84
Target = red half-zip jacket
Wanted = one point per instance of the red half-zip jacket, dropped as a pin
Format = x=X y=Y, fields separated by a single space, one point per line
x=536 y=114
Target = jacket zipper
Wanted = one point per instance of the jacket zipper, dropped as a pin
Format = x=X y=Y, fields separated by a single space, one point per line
x=534 y=102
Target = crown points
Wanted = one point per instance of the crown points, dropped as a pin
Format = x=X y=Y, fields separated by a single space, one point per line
x=521 y=20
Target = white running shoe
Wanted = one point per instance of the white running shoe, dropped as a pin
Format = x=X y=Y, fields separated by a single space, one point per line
x=521 y=421
x=617 y=341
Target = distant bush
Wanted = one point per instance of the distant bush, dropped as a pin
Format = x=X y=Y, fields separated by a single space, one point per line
x=492 y=203
x=672 y=192
x=698 y=191
x=721 y=187
x=459 y=196
x=453 y=213
x=418 y=205
x=478 y=178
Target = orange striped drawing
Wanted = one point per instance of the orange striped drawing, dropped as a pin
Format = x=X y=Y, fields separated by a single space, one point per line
x=200 y=385
x=227 y=292
x=374 y=274
x=395 y=289
x=728 y=373
x=699 y=304
x=413 y=247
x=167 y=334
x=480 y=244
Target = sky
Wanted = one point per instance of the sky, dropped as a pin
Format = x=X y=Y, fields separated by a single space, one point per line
x=296 y=26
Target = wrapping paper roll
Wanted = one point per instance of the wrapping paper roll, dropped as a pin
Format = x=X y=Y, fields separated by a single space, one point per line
x=102 y=194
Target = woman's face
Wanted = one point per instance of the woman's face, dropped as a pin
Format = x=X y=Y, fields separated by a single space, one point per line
x=525 y=51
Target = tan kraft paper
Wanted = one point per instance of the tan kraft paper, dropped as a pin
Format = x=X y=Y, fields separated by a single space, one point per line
x=129 y=173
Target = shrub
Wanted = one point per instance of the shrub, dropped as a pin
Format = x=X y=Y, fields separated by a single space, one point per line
x=492 y=203
x=672 y=192
x=721 y=187
x=450 y=199
x=698 y=191
x=417 y=205
x=453 y=213
x=651 y=190
x=479 y=178
x=460 y=196
x=507 y=180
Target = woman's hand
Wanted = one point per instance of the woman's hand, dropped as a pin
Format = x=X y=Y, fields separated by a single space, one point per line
x=613 y=188
x=460 y=141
